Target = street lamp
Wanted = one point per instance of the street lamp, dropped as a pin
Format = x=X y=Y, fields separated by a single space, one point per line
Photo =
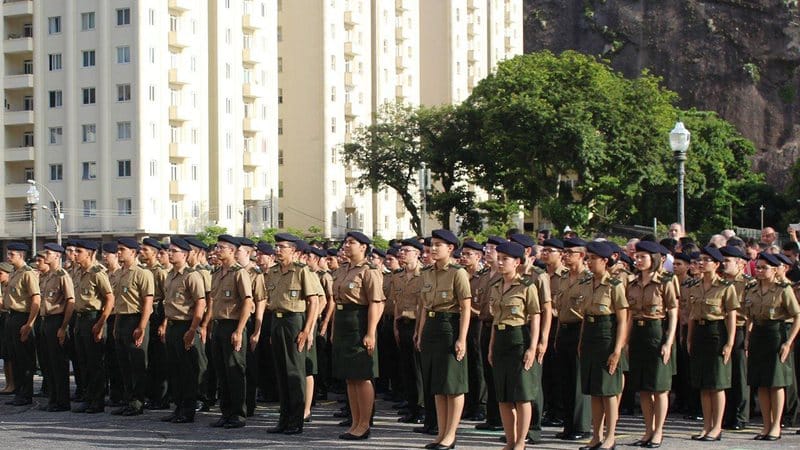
x=57 y=214
x=762 y=208
x=33 y=199
x=679 y=139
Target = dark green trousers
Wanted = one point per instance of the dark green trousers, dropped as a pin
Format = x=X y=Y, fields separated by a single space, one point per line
x=116 y=390
x=577 y=407
x=41 y=354
x=58 y=361
x=737 y=403
x=23 y=354
x=208 y=376
x=91 y=358
x=290 y=367
x=266 y=363
x=132 y=360
x=157 y=359
x=183 y=367
x=475 y=400
x=409 y=365
x=230 y=368
x=251 y=372
x=492 y=408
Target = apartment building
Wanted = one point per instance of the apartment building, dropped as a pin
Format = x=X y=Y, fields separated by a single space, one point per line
x=107 y=104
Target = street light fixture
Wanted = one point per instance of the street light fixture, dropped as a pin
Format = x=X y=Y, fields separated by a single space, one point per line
x=679 y=139
x=762 y=208
x=33 y=199
x=57 y=214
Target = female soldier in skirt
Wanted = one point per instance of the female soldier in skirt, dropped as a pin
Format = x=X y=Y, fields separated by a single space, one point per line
x=653 y=300
x=603 y=336
x=712 y=328
x=769 y=341
x=442 y=335
x=358 y=291
x=512 y=347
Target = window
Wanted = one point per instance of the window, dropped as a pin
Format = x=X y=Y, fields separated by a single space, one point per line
x=123 y=131
x=27 y=103
x=195 y=209
x=333 y=187
x=173 y=23
x=280 y=126
x=55 y=135
x=89 y=208
x=229 y=211
x=124 y=168
x=89 y=170
x=333 y=93
x=27 y=139
x=153 y=167
x=56 y=98
x=280 y=220
x=195 y=170
x=89 y=97
x=228 y=106
x=173 y=172
x=227 y=35
x=151 y=93
x=334 y=155
x=124 y=206
x=151 y=53
x=333 y=124
x=280 y=34
x=56 y=172
x=88 y=58
x=151 y=13
x=280 y=157
x=27 y=67
x=264 y=214
x=123 y=16
x=88 y=132
x=55 y=61
x=227 y=71
x=280 y=189
x=29 y=173
x=87 y=21
x=280 y=64
x=123 y=92
x=174 y=210
x=280 y=96
x=54 y=25
x=123 y=54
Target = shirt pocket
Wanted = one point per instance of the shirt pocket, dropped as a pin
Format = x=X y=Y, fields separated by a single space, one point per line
x=713 y=305
x=653 y=304
x=426 y=292
x=443 y=297
x=602 y=304
x=514 y=307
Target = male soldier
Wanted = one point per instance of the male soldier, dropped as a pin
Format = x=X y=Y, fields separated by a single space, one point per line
x=475 y=405
x=42 y=362
x=163 y=257
x=6 y=270
x=184 y=306
x=74 y=271
x=576 y=404
x=57 y=307
x=266 y=364
x=22 y=299
x=156 y=349
x=387 y=358
x=294 y=293
x=254 y=323
x=114 y=271
x=133 y=306
x=196 y=260
x=94 y=302
x=317 y=264
x=231 y=302
x=304 y=254
x=551 y=379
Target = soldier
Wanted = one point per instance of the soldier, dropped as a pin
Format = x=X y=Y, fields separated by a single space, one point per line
x=312 y=352
x=74 y=271
x=23 y=300
x=5 y=270
x=687 y=399
x=133 y=306
x=318 y=264
x=94 y=302
x=156 y=349
x=163 y=257
x=184 y=306
x=230 y=302
x=475 y=405
x=267 y=383
x=254 y=323
x=42 y=362
x=58 y=305
x=196 y=260
x=113 y=270
x=551 y=379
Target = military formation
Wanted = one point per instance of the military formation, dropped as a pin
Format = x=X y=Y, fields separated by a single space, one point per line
x=517 y=332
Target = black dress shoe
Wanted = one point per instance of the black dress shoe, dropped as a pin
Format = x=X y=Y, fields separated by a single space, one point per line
x=169 y=418
x=708 y=438
x=119 y=411
x=95 y=409
x=651 y=444
x=736 y=426
x=58 y=408
x=591 y=447
x=341 y=414
x=639 y=443
x=769 y=437
x=183 y=419
x=486 y=426
x=19 y=402
x=133 y=412
x=276 y=429
x=346 y=422
x=432 y=445
x=307 y=419
x=292 y=430
x=445 y=447
x=234 y=423
x=698 y=437
x=219 y=423
x=80 y=408
x=552 y=422
x=411 y=419
x=354 y=437
x=478 y=417
x=759 y=437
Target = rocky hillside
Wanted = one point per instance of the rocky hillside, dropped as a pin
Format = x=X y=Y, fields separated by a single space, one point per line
x=737 y=57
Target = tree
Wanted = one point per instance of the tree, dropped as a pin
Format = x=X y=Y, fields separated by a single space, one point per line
x=210 y=233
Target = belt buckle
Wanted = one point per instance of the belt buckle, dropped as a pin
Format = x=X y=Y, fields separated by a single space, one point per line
x=640 y=323
x=501 y=327
x=701 y=321
x=431 y=314
x=278 y=315
x=339 y=306
x=590 y=319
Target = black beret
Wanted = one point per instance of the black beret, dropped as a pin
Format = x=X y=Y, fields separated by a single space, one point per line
x=733 y=252
x=360 y=237
x=474 y=245
x=600 y=249
x=110 y=247
x=70 y=243
x=318 y=251
x=523 y=240
x=512 y=249
x=194 y=242
x=333 y=252
x=127 y=242
x=165 y=246
x=615 y=248
x=41 y=254
x=301 y=246
x=286 y=237
x=447 y=236
x=457 y=253
x=427 y=242
x=6 y=267
x=393 y=251
x=553 y=242
x=496 y=240
x=574 y=242
x=229 y=239
x=18 y=246
x=88 y=245
x=626 y=259
x=783 y=258
x=713 y=252
x=684 y=257
x=53 y=247
x=650 y=247
x=265 y=248
x=769 y=258
x=152 y=242
x=412 y=242
x=246 y=241
x=379 y=252
x=181 y=243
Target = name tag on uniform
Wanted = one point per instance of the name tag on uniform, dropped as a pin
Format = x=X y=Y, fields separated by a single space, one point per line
x=278 y=315
x=431 y=314
x=443 y=294
x=501 y=327
x=514 y=310
x=293 y=294
x=227 y=293
x=86 y=292
x=771 y=313
x=124 y=289
x=339 y=307
x=51 y=294
x=603 y=308
x=351 y=285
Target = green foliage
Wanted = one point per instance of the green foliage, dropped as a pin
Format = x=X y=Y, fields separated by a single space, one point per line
x=380 y=242
x=787 y=93
x=210 y=233
x=268 y=234
x=752 y=71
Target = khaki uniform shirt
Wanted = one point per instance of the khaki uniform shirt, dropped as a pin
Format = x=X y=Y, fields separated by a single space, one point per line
x=484 y=302
x=405 y=293
x=572 y=297
x=93 y=286
x=113 y=278
x=57 y=289
x=132 y=287
x=229 y=291
x=443 y=289
x=605 y=299
x=558 y=281
x=514 y=306
x=654 y=299
x=742 y=282
x=326 y=281
x=684 y=307
x=183 y=289
x=541 y=279
x=288 y=291
x=159 y=275
x=23 y=284
x=259 y=286
x=714 y=303
x=777 y=303
x=388 y=309
x=475 y=286
x=205 y=274
x=359 y=285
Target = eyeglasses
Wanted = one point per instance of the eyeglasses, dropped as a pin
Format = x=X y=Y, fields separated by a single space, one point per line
x=572 y=252
x=282 y=246
x=550 y=250
x=765 y=267
x=705 y=259
x=407 y=249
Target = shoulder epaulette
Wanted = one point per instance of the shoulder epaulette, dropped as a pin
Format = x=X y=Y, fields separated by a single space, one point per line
x=586 y=277
x=751 y=283
x=614 y=281
x=456 y=266
x=188 y=269
x=429 y=267
x=61 y=272
x=538 y=270
x=257 y=269
x=726 y=282
x=666 y=277
x=97 y=269
x=214 y=269
x=784 y=284
x=370 y=265
x=299 y=264
x=747 y=277
x=691 y=282
x=27 y=268
x=499 y=280
x=484 y=269
x=235 y=267
x=527 y=281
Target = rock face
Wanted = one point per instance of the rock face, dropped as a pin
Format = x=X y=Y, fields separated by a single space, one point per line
x=737 y=57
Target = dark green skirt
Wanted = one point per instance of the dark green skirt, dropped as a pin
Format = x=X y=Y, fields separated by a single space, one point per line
x=311 y=355
x=599 y=339
x=648 y=372
x=350 y=358
x=511 y=381
x=707 y=369
x=764 y=366
x=440 y=369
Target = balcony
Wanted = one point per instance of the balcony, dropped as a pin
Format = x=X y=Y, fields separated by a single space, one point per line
x=398 y=92
x=349 y=202
x=18 y=118
x=18 y=82
x=180 y=151
x=254 y=159
x=18 y=45
x=19 y=154
x=179 y=113
x=471 y=56
x=251 y=91
x=470 y=29
x=178 y=77
x=400 y=63
x=399 y=34
x=176 y=189
x=349 y=50
x=251 y=125
x=251 y=22
x=398 y=6
x=177 y=40
x=255 y=194
x=16 y=190
x=348 y=79
x=349 y=20
x=181 y=6
x=250 y=57
x=348 y=111
x=15 y=8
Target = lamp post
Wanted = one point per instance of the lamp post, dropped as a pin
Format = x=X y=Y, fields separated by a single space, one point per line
x=33 y=199
x=424 y=185
x=679 y=139
x=57 y=214
x=762 y=208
